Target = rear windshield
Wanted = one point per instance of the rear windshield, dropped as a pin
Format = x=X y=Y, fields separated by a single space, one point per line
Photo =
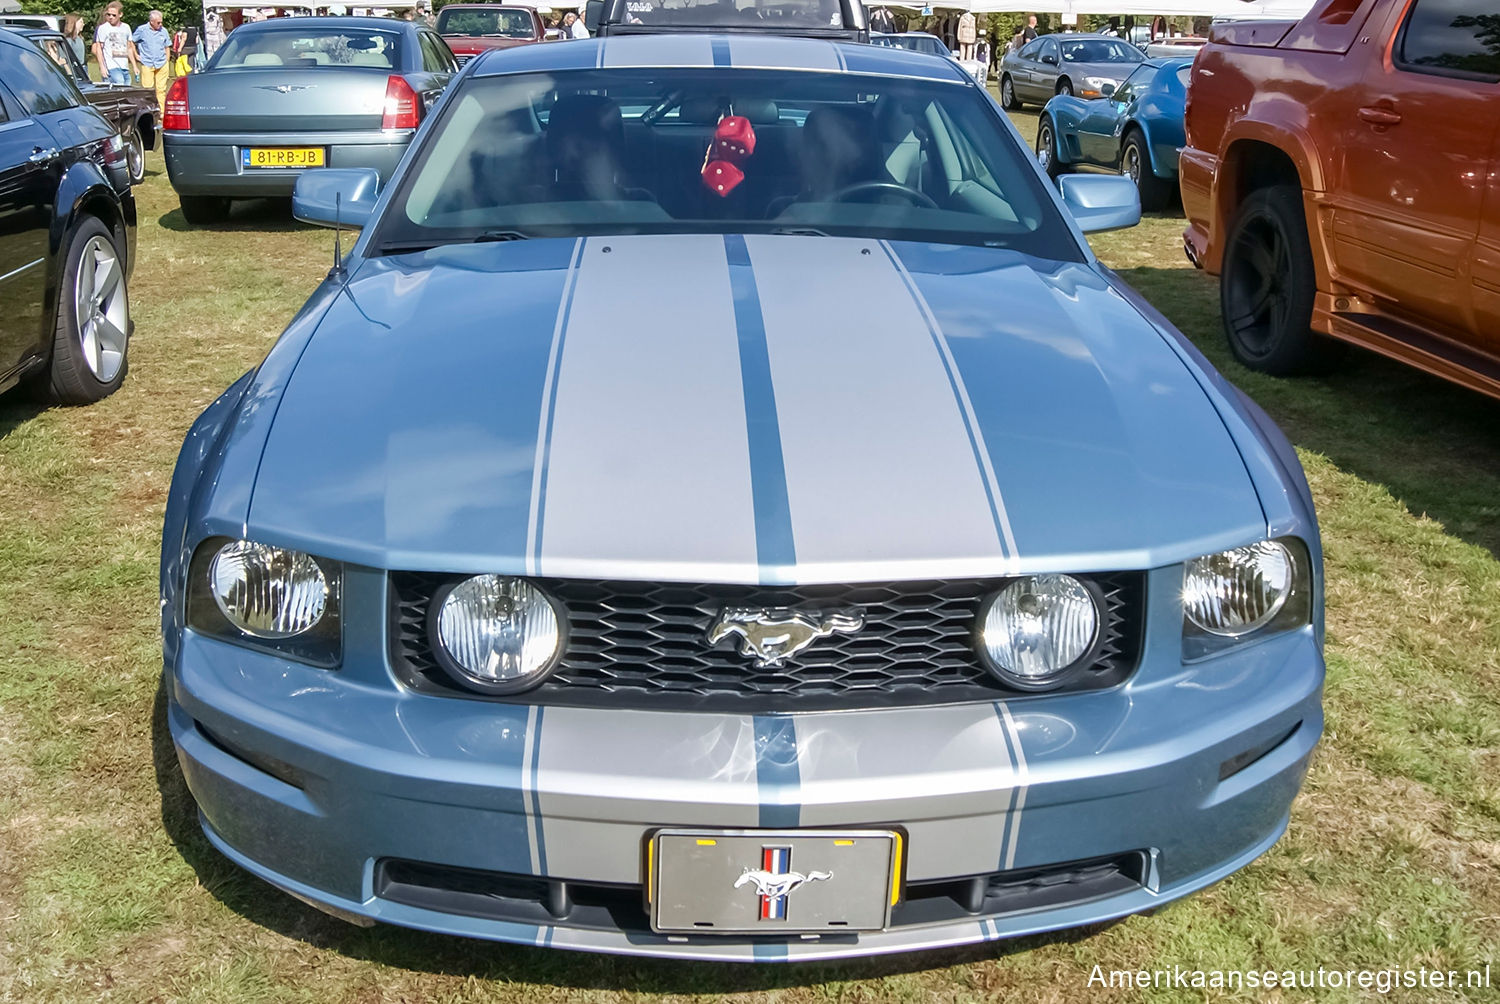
x=768 y=14
x=592 y=152
x=505 y=22
x=1101 y=50
x=306 y=49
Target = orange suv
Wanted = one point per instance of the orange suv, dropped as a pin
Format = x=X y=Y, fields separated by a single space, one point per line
x=1342 y=176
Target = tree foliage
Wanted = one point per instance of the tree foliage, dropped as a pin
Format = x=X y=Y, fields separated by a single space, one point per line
x=175 y=13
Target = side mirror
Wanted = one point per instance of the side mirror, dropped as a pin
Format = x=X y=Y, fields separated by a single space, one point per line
x=1101 y=201
x=347 y=193
x=1050 y=59
x=1108 y=90
x=593 y=13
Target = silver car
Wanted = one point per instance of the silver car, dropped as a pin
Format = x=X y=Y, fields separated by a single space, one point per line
x=1065 y=64
x=288 y=94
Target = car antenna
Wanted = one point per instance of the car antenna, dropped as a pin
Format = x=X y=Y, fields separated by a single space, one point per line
x=338 y=273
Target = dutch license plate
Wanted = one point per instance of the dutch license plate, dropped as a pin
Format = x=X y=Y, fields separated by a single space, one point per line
x=282 y=156
x=772 y=881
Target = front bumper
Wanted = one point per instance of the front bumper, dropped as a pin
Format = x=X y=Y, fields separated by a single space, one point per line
x=210 y=163
x=317 y=781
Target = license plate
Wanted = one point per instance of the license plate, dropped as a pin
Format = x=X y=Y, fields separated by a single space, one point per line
x=772 y=881
x=282 y=156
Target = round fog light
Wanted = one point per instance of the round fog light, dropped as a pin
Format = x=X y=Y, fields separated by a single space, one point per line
x=1038 y=627
x=499 y=634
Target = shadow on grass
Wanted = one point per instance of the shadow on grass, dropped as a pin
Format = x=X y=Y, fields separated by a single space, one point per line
x=245 y=215
x=18 y=406
x=420 y=951
x=1434 y=445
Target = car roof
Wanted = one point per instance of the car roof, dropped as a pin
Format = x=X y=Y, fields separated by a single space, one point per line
x=738 y=51
x=303 y=23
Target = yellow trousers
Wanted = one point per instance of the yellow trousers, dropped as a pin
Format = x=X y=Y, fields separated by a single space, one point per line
x=157 y=77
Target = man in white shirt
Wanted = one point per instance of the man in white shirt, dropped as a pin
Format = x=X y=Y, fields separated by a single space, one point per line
x=112 y=48
x=574 y=26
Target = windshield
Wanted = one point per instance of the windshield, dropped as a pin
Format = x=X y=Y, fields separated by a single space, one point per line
x=306 y=49
x=1100 y=50
x=504 y=22
x=767 y=14
x=628 y=151
x=917 y=43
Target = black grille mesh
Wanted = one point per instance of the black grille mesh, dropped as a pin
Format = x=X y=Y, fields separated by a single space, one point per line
x=644 y=645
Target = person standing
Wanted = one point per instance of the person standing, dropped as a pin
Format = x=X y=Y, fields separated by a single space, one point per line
x=881 y=20
x=151 y=46
x=113 y=49
x=73 y=32
x=967 y=36
x=424 y=16
x=1028 y=33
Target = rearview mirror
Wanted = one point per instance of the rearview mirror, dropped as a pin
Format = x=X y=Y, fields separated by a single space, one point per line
x=1101 y=201
x=342 y=195
x=593 y=13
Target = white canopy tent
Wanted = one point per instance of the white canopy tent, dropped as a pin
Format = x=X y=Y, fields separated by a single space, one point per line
x=1171 y=8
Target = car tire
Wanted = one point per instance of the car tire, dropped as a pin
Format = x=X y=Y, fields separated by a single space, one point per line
x=135 y=153
x=1065 y=87
x=91 y=337
x=1267 y=285
x=1046 y=149
x=1135 y=163
x=201 y=209
x=1008 y=99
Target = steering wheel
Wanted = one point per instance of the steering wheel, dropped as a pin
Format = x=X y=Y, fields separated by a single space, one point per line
x=895 y=187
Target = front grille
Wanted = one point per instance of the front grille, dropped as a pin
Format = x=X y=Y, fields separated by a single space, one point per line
x=532 y=899
x=644 y=645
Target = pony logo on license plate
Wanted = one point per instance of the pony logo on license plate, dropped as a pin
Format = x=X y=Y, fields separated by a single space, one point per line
x=774 y=881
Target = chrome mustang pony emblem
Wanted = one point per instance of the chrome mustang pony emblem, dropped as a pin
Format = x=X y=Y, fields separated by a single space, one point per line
x=774 y=634
x=773 y=887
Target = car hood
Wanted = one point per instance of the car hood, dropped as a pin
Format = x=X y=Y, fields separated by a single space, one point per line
x=745 y=409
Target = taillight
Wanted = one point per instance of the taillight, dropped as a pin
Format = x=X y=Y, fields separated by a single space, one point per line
x=401 y=105
x=175 y=116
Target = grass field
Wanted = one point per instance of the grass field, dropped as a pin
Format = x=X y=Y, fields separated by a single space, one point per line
x=109 y=892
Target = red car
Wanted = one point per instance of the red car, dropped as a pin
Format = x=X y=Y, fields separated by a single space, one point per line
x=472 y=28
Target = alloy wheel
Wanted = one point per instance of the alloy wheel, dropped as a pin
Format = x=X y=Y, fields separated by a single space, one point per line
x=102 y=309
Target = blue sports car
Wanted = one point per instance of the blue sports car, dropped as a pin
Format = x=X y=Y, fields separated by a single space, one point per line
x=1137 y=130
x=720 y=508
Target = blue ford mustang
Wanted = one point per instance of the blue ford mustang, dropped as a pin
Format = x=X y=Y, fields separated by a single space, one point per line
x=722 y=509
x=1137 y=130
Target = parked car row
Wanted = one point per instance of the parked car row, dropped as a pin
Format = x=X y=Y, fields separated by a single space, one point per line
x=1346 y=192
x=67 y=231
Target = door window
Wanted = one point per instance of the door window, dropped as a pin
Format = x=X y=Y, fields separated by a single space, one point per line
x=1032 y=50
x=1049 y=48
x=37 y=82
x=1453 y=38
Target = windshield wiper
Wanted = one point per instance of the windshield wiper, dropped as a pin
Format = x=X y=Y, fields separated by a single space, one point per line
x=799 y=232
x=488 y=236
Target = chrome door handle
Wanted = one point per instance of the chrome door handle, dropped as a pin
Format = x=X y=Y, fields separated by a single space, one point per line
x=40 y=156
x=1376 y=115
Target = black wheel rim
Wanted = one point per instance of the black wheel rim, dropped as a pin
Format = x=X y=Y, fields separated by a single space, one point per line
x=1256 y=297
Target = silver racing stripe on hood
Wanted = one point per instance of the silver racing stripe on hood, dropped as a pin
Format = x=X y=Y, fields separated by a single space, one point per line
x=647 y=460
x=878 y=446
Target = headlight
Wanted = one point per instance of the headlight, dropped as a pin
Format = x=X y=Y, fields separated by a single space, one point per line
x=1251 y=590
x=1097 y=83
x=1235 y=592
x=268 y=592
x=495 y=633
x=266 y=597
x=1038 y=628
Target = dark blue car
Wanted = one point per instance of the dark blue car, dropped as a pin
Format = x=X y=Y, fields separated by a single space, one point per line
x=1136 y=130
